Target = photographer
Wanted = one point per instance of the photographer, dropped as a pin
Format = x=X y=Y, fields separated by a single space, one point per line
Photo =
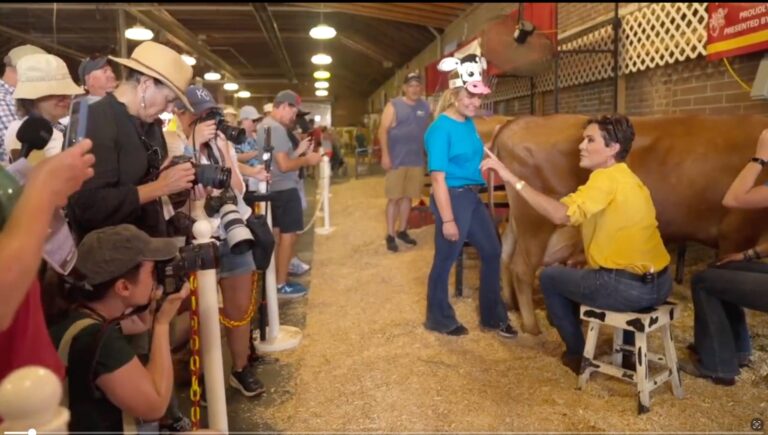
x=202 y=130
x=107 y=383
x=287 y=218
x=129 y=146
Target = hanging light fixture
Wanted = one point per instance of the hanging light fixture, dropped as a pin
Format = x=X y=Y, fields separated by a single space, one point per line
x=139 y=33
x=322 y=31
x=321 y=93
x=231 y=86
x=189 y=60
x=321 y=59
x=322 y=85
x=243 y=94
x=212 y=75
x=321 y=75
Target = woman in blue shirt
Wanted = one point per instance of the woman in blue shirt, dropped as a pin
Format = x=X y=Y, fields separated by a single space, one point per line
x=454 y=152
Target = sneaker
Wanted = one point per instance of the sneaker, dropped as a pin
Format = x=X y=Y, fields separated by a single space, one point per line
x=457 y=331
x=291 y=290
x=298 y=267
x=247 y=383
x=507 y=331
x=178 y=425
x=403 y=235
x=391 y=244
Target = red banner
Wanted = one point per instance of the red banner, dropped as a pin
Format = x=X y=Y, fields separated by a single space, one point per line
x=736 y=28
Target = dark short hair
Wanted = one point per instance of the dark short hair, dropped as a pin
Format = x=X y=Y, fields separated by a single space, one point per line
x=132 y=75
x=24 y=107
x=99 y=291
x=616 y=129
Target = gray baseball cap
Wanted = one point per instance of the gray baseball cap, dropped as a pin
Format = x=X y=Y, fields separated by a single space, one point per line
x=109 y=252
x=249 y=112
x=199 y=98
x=89 y=65
x=288 y=96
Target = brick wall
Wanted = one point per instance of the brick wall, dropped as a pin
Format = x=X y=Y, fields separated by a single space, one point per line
x=573 y=15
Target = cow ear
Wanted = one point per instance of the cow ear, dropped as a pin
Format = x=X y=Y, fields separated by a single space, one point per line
x=448 y=64
x=483 y=63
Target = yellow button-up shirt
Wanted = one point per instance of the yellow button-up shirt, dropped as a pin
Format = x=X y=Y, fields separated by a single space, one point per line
x=618 y=221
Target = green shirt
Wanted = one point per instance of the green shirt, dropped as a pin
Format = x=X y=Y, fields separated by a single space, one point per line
x=91 y=410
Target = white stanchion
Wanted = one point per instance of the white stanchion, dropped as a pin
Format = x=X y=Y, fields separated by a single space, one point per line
x=210 y=334
x=325 y=186
x=29 y=401
x=279 y=337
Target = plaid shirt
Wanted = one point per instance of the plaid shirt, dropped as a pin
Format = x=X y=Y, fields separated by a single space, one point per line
x=7 y=115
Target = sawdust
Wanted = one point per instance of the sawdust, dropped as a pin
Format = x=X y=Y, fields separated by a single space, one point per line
x=367 y=364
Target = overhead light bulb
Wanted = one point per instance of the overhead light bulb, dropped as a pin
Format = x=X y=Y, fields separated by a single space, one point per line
x=321 y=93
x=189 y=60
x=243 y=94
x=321 y=75
x=322 y=31
x=212 y=75
x=139 y=33
x=231 y=86
x=322 y=85
x=321 y=59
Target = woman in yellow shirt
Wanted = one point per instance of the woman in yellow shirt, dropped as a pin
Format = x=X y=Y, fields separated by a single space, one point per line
x=626 y=258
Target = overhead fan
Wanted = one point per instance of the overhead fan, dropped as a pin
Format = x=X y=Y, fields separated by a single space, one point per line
x=517 y=48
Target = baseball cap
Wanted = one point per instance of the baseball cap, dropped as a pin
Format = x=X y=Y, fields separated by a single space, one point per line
x=249 y=112
x=287 y=96
x=228 y=110
x=411 y=77
x=89 y=65
x=109 y=252
x=200 y=99
x=267 y=107
x=16 y=54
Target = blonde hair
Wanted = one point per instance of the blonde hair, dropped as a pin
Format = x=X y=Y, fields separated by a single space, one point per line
x=448 y=100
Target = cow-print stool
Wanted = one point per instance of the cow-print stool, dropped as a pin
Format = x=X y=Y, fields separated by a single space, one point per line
x=641 y=323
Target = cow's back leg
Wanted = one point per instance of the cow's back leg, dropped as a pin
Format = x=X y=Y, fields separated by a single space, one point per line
x=508 y=241
x=526 y=259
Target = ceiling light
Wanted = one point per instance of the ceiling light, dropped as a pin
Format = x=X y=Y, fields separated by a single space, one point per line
x=139 y=33
x=212 y=75
x=189 y=59
x=322 y=31
x=318 y=118
x=321 y=93
x=321 y=75
x=321 y=59
x=243 y=94
x=322 y=85
x=231 y=86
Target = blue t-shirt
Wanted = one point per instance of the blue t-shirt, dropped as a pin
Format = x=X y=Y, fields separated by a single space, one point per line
x=454 y=147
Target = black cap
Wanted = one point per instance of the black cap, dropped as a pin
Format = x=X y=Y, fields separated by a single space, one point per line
x=412 y=77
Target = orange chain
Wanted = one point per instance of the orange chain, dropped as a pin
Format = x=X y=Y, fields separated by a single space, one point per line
x=229 y=323
x=194 y=361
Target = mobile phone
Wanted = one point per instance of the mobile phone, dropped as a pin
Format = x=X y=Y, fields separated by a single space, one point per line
x=78 y=122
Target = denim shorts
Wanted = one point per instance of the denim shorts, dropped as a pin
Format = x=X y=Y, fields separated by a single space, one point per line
x=234 y=264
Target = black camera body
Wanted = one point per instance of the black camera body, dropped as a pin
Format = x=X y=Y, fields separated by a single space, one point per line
x=239 y=237
x=209 y=175
x=174 y=273
x=233 y=134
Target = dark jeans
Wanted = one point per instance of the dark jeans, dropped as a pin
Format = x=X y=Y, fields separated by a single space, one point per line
x=476 y=226
x=720 y=295
x=566 y=288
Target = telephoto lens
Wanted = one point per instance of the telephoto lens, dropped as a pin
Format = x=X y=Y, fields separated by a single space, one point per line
x=239 y=237
x=214 y=176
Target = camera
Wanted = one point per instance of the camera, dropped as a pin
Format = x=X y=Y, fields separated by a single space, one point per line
x=215 y=176
x=174 y=273
x=239 y=237
x=233 y=134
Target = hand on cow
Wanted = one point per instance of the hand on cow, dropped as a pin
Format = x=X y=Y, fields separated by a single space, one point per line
x=762 y=145
x=450 y=231
x=736 y=256
x=500 y=169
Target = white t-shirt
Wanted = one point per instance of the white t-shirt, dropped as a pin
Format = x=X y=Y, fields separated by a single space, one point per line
x=51 y=149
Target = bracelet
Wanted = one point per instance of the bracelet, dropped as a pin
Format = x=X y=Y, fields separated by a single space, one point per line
x=759 y=161
x=445 y=222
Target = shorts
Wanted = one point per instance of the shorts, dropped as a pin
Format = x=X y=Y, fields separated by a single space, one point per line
x=404 y=182
x=287 y=214
x=234 y=264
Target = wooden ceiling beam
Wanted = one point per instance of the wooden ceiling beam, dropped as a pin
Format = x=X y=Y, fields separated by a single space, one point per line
x=269 y=27
x=366 y=11
x=449 y=14
x=395 y=11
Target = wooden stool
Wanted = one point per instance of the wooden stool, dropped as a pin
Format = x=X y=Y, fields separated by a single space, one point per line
x=641 y=323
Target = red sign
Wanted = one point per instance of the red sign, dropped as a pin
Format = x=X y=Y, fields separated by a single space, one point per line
x=736 y=28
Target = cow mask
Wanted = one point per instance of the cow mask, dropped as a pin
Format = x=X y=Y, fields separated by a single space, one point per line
x=470 y=69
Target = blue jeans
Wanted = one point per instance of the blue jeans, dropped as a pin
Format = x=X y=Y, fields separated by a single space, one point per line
x=720 y=295
x=476 y=226
x=565 y=289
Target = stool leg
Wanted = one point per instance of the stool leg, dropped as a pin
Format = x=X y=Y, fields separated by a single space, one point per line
x=671 y=356
x=643 y=391
x=618 y=340
x=589 y=353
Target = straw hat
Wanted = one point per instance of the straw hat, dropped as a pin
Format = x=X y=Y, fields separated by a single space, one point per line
x=158 y=61
x=18 y=53
x=41 y=75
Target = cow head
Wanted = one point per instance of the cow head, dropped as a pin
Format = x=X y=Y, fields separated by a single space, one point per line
x=470 y=67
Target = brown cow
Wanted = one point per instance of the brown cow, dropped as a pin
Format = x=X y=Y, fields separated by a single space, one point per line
x=687 y=162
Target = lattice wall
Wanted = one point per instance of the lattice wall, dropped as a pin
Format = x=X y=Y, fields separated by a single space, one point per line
x=658 y=34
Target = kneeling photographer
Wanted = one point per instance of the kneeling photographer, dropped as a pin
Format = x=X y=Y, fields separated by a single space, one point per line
x=108 y=387
x=208 y=137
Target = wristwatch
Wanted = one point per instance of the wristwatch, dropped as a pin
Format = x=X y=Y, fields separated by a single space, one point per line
x=519 y=185
x=759 y=161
